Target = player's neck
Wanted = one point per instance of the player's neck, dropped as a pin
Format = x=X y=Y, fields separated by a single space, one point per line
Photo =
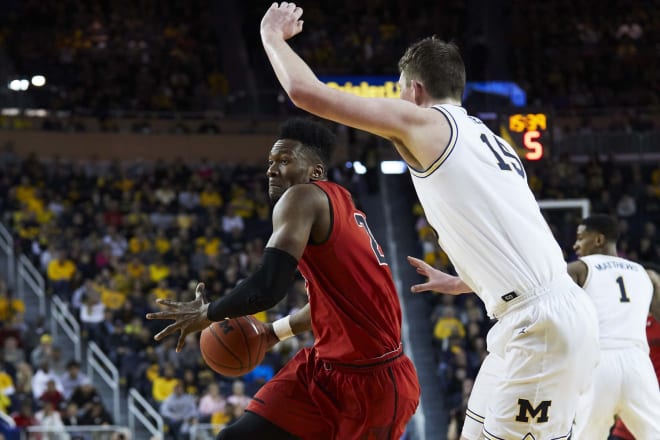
x=450 y=101
x=610 y=250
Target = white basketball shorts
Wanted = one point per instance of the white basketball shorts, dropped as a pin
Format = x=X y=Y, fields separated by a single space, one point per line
x=624 y=384
x=542 y=357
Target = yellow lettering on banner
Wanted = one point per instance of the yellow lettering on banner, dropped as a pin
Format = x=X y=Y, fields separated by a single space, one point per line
x=389 y=89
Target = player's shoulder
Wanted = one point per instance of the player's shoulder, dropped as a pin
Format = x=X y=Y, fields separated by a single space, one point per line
x=302 y=197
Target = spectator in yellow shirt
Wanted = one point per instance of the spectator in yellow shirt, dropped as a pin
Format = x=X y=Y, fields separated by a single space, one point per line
x=139 y=243
x=60 y=274
x=448 y=325
x=164 y=385
x=161 y=291
x=6 y=389
x=9 y=306
x=210 y=197
x=210 y=241
x=25 y=190
x=111 y=298
x=162 y=242
x=135 y=269
x=243 y=205
x=158 y=270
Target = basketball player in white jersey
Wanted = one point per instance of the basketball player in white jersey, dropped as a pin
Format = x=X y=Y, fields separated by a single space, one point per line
x=473 y=189
x=624 y=383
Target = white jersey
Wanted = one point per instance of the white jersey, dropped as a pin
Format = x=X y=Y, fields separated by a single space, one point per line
x=476 y=197
x=621 y=291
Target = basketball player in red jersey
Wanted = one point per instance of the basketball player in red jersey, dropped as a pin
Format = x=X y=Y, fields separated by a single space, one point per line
x=355 y=382
x=620 y=432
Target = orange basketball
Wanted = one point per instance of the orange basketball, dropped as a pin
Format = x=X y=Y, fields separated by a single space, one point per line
x=233 y=347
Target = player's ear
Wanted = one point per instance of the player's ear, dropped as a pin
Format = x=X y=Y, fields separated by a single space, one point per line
x=318 y=172
x=418 y=91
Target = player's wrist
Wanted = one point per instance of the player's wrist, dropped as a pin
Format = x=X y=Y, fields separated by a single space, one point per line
x=282 y=328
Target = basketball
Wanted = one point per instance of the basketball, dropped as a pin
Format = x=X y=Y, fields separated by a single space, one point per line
x=233 y=347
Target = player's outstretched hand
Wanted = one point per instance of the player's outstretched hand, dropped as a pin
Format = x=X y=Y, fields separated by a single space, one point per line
x=438 y=281
x=189 y=317
x=282 y=20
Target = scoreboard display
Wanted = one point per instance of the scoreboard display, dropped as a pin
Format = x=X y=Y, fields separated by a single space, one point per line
x=528 y=133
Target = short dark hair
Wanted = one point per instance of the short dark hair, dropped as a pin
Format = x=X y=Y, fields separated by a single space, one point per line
x=602 y=224
x=313 y=135
x=438 y=65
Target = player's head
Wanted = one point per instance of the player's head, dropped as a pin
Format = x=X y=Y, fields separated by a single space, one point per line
x=301 y=154
x=596 y=234
x=432 y=67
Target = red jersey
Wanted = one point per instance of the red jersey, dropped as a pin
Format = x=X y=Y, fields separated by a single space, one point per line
x=653 y=335
x=354 y=305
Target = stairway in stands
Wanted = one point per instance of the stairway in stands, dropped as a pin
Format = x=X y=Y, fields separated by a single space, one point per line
x=389 y=213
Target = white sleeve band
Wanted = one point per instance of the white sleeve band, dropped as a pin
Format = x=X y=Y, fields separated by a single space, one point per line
x=282 y=328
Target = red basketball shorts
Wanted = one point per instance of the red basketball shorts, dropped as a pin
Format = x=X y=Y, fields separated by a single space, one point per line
x=316 y=400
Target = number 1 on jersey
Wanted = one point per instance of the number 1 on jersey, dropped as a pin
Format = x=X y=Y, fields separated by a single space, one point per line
x=362 y=222
x=624 y=297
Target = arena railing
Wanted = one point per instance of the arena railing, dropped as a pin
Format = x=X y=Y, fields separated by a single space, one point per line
x=61 y=317
x=99 y=363
x=204 y=431
x=140 y=409
x=105 y=432
x=30 y=280
x=7 y=249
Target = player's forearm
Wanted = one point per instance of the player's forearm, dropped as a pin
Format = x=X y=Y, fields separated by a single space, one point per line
x=301 y=321
x=295 y=76
x=260 y=291
x=291 y=325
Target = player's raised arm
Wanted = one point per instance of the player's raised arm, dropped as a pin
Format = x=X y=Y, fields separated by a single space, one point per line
x=655 y=300
x=398 y=120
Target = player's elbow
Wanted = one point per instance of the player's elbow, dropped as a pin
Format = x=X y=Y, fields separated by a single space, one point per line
x=306 y=96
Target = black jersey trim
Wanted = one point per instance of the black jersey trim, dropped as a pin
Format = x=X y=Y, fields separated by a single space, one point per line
x=474 y=416
x=451 y=144
x=332 y=218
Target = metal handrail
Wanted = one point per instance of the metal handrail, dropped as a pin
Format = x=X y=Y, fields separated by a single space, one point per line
x=61 y=315
x=78 y=431
x=7 y=246
x=137 y=405
x=98 y=362
x=77 y=428
x=197 y=428
x=28 y=274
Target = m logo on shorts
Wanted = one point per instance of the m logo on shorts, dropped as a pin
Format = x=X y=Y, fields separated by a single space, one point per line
x=526 y=407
